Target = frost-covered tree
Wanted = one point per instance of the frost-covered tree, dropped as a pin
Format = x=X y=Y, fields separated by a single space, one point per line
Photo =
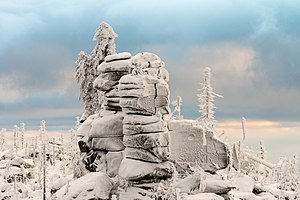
x=86 y=70
x=206 y=101
x=22 y=129
x=177 y=103
x=105 y=37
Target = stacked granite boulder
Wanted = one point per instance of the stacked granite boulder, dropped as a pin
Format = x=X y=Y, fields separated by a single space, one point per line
x=103 y=133
x=145 y=102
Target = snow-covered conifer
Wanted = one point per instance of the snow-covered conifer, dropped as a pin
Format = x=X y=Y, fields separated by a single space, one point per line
x=206 y=101
x=86 y=70
x=22 y=129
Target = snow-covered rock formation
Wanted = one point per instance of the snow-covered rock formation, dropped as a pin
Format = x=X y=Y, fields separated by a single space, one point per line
x=145 y=102
x=102 y=133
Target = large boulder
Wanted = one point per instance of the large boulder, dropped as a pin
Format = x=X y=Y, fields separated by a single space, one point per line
x=187 y=146
x=95 y=185
x=243 y=182
x=118 y=56
x=108 y=144
x=145 y=171
x=107 y=126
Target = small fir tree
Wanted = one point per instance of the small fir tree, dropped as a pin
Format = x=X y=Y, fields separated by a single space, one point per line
x=206 y=104
x=206 y=101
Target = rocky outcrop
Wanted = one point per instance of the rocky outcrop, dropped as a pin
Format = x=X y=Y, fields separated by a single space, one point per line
x=145 y=102
x=102 y=134
x=187 y=146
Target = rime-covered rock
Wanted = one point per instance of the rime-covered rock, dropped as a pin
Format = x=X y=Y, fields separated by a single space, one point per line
x=113 y=162
x=104 y=85
x=215 y=184
x=115 y=66
x=17 y=161
x=108 y=144
x=147 y=141
x=86 y=126
x=107 y=126
x=135 y=193
x=139 y=171
x=119 y=56
x=243 y=195
x=155 y=154
x=159 y=126
x=140 y=119
x=192 y=184
x=140 y=80
x=95 y=185
x=114 y=92
x=187 y=146
x=147 y=90
x=243 y=182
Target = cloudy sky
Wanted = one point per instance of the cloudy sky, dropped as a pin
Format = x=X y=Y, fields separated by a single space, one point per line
x=252 y=47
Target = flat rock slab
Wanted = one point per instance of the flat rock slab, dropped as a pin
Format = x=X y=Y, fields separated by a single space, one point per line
x=140 y=119
x=104 y=85
x=148 y=90
x=118 y=56
x=187 y=147
x=115 y=66
x=107 y=126
x=159 y=126
x=140 y=80
x=139 y=171
x=154 y=155
x=147 y=141
x=146 y=103
x=108 y=144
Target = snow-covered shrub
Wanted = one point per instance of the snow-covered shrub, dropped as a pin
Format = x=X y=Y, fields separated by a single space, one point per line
x=286 y=174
